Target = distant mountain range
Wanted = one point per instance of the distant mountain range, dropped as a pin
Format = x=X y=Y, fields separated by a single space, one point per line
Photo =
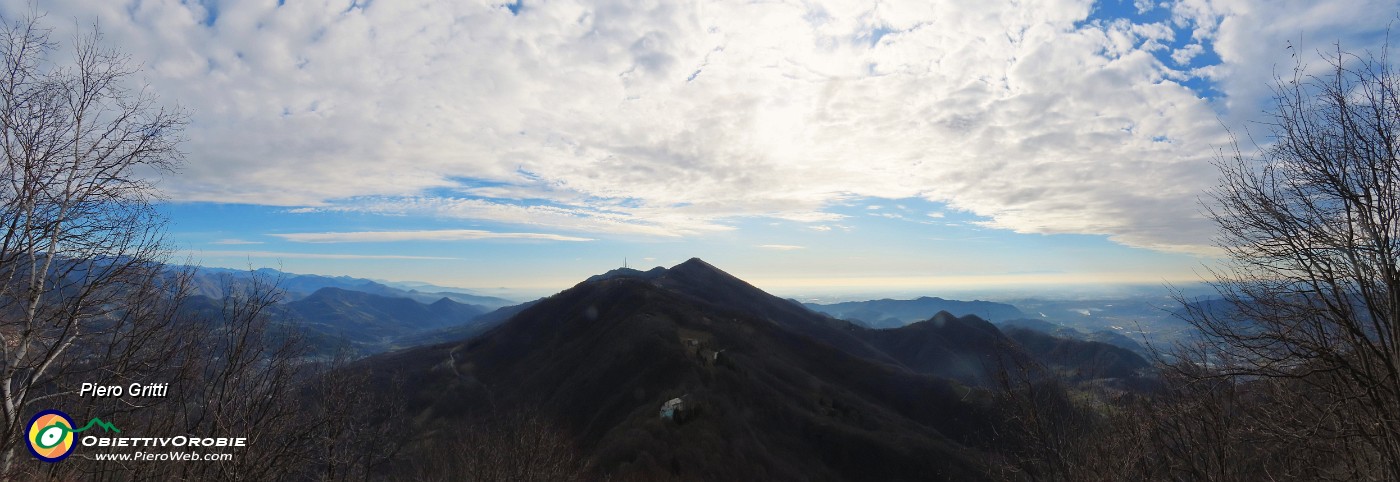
x=888 y=313
x=1062 y=331
x=757 y=387
x=1085 y=359
x=355 y=316
x=369 y=318
x=211 y=282
x=463 y=331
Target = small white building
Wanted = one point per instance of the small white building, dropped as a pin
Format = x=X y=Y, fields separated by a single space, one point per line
x=672 y=407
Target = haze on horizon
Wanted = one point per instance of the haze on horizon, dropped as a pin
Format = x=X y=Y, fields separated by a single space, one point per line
x=808 y=147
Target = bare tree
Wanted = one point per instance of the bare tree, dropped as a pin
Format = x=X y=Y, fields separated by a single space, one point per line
x=359 y=429
x=85 y=294
x=77 y=230
x=518 y=445
x=1311 y=227
x=244 y=381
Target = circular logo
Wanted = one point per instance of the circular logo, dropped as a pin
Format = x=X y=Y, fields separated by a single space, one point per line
x=50 y=435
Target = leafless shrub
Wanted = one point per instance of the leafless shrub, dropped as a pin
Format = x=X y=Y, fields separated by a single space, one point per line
x=1311 y=228
x=79 y=240
x=520 y=446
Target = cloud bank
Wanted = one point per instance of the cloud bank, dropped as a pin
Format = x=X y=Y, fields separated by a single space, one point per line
x=434 y=235
x=677 y=118
x=293 y=255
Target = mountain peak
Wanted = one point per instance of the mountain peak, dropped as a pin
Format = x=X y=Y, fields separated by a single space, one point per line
x=696 y=262
x=698 y=267
x=332 y=292
x=627 y=273
x=943 y=316
x=696 y=276
x=692 y=267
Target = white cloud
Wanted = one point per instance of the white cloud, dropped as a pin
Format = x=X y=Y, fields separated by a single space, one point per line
x=599 y=216
x=289 y=255
x=781 y=247
x=1184 y=55
x=233 y=241
x=435 y=235
x=676 y=118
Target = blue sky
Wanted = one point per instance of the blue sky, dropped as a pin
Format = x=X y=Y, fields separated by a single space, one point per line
x=880 y=247
x=813 y=146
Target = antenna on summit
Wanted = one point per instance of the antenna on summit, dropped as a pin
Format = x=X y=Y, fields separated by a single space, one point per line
x=624 y=262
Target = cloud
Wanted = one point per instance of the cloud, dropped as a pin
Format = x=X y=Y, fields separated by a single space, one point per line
x=677 y=118
x=1184 y=55
x=436 y=235
x=781 y=247
x=288 y=255
x=233 y=241
x=887 y=215
x=593 y=217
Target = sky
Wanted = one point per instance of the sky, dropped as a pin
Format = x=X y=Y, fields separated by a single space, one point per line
x=805 y=146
